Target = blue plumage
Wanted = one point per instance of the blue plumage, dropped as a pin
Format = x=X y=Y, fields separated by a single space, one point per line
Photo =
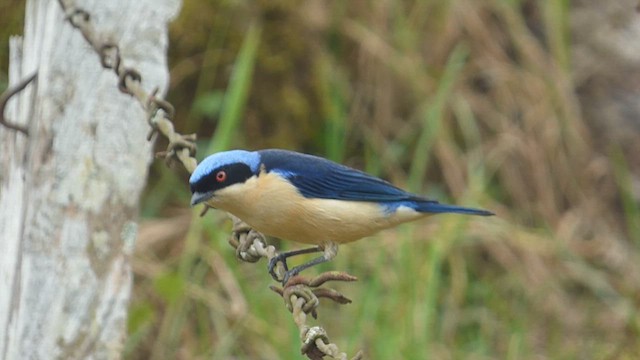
x=438 y=208
x=293 y=196
x=217 y=160
x=316 y=177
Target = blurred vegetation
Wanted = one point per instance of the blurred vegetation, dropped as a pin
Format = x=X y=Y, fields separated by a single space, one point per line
x=470 y=102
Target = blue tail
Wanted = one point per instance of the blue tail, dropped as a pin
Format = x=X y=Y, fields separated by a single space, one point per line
x=436 y=208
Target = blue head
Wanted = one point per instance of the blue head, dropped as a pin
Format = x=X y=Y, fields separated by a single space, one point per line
x=220 y=171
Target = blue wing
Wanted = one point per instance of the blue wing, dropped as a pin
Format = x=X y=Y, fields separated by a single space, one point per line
x=316 y=177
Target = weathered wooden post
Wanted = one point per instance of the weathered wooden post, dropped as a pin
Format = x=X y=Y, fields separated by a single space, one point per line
x=69 y=191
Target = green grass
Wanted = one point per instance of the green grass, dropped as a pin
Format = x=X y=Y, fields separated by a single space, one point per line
x=236 y=96
x=419 y=94
x=332 y=87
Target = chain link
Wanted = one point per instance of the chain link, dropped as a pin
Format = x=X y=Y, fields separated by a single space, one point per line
x=160 y=113
x=301 y=295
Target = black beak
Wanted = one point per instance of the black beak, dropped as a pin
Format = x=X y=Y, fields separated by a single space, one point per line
x=199 y=197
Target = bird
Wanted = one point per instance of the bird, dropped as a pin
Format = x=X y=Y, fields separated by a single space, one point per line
x=307 y=199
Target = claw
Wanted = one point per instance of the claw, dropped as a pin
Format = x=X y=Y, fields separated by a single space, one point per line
x=288 y=274
x=282 y=257
x=273 y=262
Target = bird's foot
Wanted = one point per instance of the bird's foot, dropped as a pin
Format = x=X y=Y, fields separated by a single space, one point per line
x=288 y=275
x=282 y=258
x=273 y=264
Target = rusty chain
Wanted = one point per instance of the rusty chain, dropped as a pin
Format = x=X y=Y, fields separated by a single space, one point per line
x=160 y=113
x=301 y=296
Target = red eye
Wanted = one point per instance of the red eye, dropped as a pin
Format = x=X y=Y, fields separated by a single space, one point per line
x=221 y=176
